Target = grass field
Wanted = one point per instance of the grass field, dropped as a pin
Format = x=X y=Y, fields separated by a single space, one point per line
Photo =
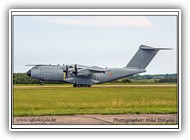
x=101 y=99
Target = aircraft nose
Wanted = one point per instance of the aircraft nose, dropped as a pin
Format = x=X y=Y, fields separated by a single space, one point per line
x=29 y=73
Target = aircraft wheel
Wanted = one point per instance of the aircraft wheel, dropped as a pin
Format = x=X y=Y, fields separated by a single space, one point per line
x=81 y=85
x=74 y=85
x=89 y=85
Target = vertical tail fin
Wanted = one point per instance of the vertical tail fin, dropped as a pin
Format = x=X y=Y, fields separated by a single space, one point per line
x=143 y=56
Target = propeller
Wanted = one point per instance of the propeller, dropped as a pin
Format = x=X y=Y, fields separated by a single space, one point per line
x=75 y=70
x=66 y=71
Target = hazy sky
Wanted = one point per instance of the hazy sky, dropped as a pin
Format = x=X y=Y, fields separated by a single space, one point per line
x=105 y=41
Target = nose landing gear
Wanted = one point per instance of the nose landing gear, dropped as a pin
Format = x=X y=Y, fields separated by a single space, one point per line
x=41 y=82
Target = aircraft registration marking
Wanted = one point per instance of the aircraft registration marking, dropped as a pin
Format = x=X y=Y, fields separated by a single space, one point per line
x=110 y=74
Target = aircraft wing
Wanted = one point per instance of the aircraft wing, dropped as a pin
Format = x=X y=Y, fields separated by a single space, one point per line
x=38 y=65
x=97 y=69
x=90 y=70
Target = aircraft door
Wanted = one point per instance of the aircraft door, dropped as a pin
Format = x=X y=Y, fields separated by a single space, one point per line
x=98 y=76
x=46 y=76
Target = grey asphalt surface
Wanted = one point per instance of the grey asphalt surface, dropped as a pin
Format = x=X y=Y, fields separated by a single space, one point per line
x=99 y=119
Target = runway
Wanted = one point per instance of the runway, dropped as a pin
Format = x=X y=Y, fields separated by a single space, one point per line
x=94 y=86
x=99 y=119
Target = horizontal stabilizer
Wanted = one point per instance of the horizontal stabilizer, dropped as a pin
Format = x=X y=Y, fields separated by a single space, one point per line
x=143 y=47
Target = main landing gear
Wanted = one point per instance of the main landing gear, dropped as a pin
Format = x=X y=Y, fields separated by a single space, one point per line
x=81 y=85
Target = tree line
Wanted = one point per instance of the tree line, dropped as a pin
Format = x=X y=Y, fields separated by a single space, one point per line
x=23 y=78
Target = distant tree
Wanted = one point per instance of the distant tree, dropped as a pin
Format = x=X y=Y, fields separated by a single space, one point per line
x=126 y=80
x=153 y=76
x=115 y=81
x=149 y=77
x=23 y=78
x=165 y=80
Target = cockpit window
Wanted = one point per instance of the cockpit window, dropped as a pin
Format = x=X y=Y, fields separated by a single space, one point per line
x=35 y=68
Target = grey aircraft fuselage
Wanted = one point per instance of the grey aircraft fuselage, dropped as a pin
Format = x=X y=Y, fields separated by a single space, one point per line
x=56 y=73
x=80 y=75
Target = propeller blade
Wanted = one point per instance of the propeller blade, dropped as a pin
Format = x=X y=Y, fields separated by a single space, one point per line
x=75 y=70
x=66 y=71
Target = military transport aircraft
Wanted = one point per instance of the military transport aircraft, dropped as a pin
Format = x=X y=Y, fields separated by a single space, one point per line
x=85 y=76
